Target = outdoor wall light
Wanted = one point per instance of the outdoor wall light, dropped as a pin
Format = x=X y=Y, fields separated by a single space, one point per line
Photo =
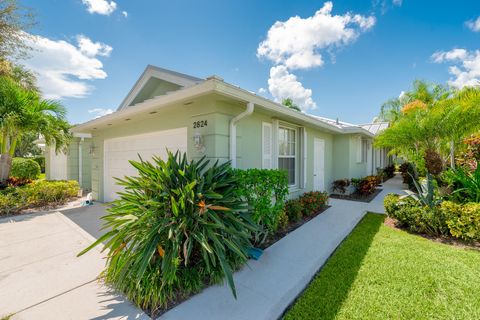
x=199 y=143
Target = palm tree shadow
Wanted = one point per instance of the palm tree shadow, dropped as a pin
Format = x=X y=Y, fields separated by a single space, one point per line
x=334 y=280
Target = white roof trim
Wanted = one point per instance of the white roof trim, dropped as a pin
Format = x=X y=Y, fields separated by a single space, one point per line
x=150 y=71
x=223 y=88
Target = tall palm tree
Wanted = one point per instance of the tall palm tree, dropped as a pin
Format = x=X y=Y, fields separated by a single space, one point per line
x=23 y=111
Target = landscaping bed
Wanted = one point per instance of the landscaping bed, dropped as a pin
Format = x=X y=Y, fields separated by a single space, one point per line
x=356 y=196
x=382 y=273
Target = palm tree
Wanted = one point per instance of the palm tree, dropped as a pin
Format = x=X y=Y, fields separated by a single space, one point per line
x=23 y=111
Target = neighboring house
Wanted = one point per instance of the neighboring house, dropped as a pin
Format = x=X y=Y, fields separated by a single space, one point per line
x=209 y=117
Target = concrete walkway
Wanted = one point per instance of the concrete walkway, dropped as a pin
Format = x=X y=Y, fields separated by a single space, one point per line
x=41 y=277
x=265 y=288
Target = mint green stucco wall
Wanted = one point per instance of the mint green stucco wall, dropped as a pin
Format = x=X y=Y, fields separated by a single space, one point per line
x=340 y=150
x=72 y=163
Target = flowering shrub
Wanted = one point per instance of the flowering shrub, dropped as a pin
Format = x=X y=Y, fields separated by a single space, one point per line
x=366 y=186
x=313 y=201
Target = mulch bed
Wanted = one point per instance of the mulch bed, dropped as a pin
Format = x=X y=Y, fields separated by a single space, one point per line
x=393 y=223
x=291 y=227
x=356 y=196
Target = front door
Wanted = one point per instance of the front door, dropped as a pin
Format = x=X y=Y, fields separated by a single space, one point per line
x=319 y=164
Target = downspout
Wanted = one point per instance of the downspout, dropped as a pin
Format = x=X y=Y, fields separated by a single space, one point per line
x=233 y=132
x=80 y=165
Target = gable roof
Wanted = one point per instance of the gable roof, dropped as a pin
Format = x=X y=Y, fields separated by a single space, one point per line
x=169 y=76
x=191 y=87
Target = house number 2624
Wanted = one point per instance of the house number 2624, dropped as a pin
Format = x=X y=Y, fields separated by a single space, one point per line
x=200 y=124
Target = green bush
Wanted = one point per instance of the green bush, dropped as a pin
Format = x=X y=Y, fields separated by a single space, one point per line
x=44 y=192
x=294 y=210
x=177 y=225
x=37 y=194
x=388 y=172
x=416 y=217
x=465 y=184
x=41 y=162
x=266 y=192
x=313 y=201
x=463 y=220
x=24 y=168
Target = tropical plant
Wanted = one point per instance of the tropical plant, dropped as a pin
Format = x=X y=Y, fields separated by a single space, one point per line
x=432 y=119
x=177 y=225
x=426 y=194
x=466 y=184
x=23 y=111
x=365 y=186
x=288 y=102
x=340 y=185
x=25 y=169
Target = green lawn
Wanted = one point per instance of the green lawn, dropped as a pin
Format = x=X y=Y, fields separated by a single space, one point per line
x=382 y=273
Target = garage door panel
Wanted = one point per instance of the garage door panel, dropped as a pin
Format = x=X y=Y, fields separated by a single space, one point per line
x=119 y=151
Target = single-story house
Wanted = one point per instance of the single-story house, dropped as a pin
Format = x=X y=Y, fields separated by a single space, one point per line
x=210 y=117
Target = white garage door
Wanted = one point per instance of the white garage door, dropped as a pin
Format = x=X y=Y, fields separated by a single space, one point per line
x=118 y=151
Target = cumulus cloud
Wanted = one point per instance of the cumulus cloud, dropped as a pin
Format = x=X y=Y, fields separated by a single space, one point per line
x=299 y=43
x=465 y=68
x=283 y=84
x=103 y=7
x=125 y=14
x=100 y=112
x=63 y=69
x=473 y=25
x=92 y=49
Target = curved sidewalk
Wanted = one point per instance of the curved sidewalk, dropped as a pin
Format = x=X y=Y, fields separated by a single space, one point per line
x=265 y=288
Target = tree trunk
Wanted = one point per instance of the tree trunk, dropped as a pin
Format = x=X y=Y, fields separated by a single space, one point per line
x=5 y=166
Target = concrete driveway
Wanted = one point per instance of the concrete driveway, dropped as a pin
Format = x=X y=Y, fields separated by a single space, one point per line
x=41 y=277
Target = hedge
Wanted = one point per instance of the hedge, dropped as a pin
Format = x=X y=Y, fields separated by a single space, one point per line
x=24 y=168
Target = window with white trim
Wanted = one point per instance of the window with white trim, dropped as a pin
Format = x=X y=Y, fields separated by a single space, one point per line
x=287 y=152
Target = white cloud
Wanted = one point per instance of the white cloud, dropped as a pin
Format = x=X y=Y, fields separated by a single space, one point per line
x=125 y=14
x=62 y=68
x=100 y=112
x=297 y=42
x=465 y=69
x=452 y=55
x=104 y=7
x=92 y=49
x=262 y=90
x=282 y=84
x=397 y=3
x=473 y=25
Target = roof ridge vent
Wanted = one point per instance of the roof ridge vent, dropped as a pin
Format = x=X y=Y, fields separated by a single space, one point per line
x=215 y=77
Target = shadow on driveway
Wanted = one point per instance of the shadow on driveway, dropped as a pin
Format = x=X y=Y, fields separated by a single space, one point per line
x=88 y=218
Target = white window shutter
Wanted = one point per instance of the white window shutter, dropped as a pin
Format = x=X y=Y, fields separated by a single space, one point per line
x=304 y=167
x=359 y=149
x=267 y=145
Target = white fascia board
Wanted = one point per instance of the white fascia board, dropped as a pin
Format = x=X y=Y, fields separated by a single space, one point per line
x=82 y=135
x=149 y=105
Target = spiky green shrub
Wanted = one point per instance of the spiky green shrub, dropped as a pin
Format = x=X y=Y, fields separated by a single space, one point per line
x=177 y=226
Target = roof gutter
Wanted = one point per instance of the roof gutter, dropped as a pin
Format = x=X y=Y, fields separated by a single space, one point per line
x=233 y=132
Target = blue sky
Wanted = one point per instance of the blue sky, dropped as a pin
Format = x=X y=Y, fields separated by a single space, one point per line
x=353 y=55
